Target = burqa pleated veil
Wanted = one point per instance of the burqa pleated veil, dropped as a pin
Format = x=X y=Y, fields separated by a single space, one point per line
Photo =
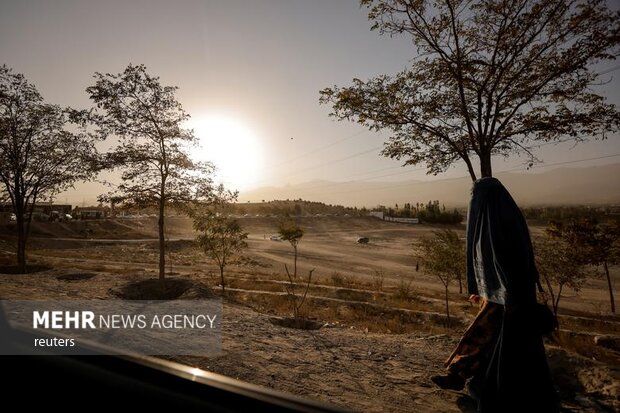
x=501 y=268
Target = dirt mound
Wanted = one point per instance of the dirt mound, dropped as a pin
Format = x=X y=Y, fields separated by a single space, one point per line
x=197 y=291
x=168 y=289
x=105 y=228
x=78 y=276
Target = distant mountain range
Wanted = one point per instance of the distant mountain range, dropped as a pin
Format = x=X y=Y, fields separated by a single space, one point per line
x=561 y=186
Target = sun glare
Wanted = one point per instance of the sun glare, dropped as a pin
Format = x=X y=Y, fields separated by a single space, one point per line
x=231 y=146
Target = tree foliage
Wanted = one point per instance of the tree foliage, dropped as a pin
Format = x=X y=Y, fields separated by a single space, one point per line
x=560 y=264
x=491 y=78
x=152 y=153
x=220 y=237
x=594 y=244
x=291 y=232
x=443 y=256
x=431 y=213
x=44 y=150
x=550 y=214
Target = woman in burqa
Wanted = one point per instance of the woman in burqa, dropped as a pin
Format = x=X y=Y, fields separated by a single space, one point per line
x=502 y=350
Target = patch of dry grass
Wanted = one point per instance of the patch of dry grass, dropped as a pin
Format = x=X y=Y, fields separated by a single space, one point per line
x=340 y=280
x=366 y=316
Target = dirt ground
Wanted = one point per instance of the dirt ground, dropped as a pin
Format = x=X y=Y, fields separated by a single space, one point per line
x=356 y=363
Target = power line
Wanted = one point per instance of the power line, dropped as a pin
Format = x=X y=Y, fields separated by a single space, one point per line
x=389 y=168
x=320 y=149
x=355 y=155
x=408 y=171
x=561 y=163
x=402 y=184
x=611 y=69
x=364 y=173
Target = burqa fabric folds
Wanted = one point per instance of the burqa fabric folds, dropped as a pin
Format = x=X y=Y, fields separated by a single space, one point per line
x=501 y=268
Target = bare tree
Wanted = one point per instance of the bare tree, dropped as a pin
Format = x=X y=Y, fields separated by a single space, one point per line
x=153 y=146
x=44 y=150
x=444 y=257
x=491 y=78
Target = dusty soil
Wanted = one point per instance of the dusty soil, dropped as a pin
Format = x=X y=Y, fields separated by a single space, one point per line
x=358 y=363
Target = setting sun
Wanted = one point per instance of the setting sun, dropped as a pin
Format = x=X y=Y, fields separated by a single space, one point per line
x=231 y=146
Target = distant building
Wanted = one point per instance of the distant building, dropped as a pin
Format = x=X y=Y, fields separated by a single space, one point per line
x=91 y=214
x=41 y=208
x=382 y=216
x=48 y=208
x=403 y=220
x=614 y=210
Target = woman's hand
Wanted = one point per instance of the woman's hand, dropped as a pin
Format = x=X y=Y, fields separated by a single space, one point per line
x=474 y=299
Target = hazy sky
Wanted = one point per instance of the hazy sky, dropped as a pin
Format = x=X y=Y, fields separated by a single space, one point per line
x=249 y=71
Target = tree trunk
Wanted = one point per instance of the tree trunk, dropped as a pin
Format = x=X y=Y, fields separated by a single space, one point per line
x=549 y=288
x=470 y=168
x=222 y=278
x=460 y=284
x=556 y=303
x=447 y=307
x=611 y=290
x=162 y=241
x=295 y=263
x=20 y=221
x=21 y=242
x=485 y=165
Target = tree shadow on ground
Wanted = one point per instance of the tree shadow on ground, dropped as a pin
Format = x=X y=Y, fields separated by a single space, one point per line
x=297 y=323
x=78 y=276
x=30 y=269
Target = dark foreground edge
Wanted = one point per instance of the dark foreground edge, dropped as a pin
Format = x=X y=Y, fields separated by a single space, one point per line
x=96 y=382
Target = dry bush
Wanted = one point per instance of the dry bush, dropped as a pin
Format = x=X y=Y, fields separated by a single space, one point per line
x=395 y=325
x=403 y=290
x=377 y=280
x=340 y=280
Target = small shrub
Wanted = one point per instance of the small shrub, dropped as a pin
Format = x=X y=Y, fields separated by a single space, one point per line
x=403 y=290
x=339 y=280
x=394 y=325
x=377 y=280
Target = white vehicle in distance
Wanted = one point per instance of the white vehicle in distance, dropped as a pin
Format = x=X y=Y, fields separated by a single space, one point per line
x=276 y=237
